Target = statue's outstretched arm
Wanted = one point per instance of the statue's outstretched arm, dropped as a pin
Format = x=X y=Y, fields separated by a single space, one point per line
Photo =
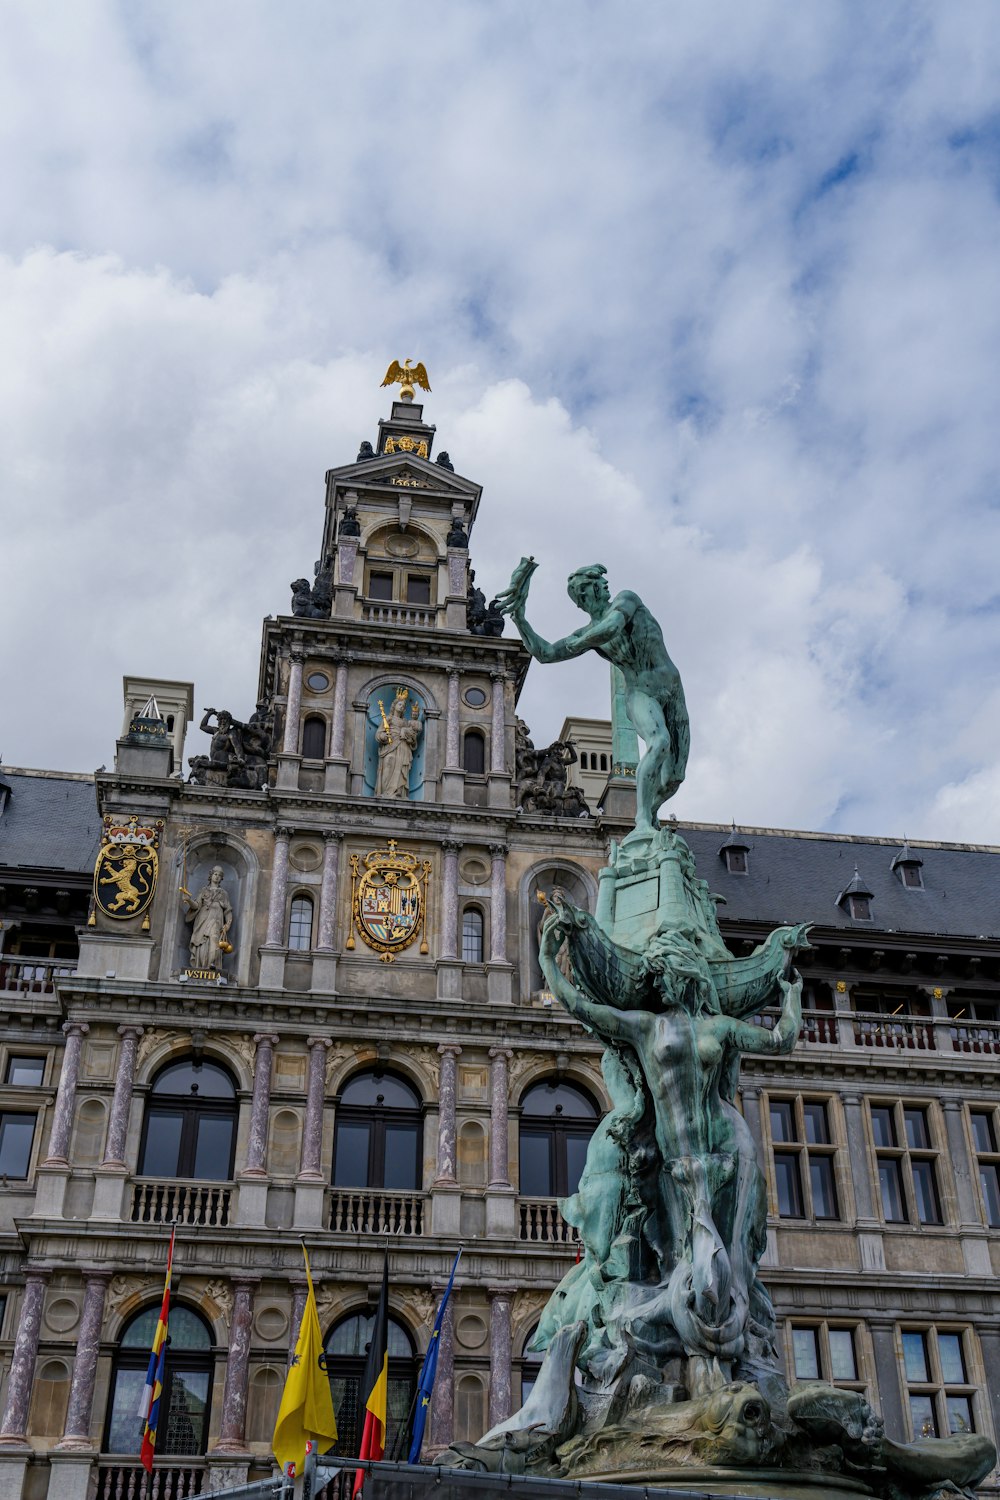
x=607 y=1022
x=750 y=1038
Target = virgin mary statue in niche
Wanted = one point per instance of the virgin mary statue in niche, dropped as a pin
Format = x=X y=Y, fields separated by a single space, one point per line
x=397 y=740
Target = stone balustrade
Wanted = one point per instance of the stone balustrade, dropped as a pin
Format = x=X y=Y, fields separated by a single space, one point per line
x=30 y=976
x=125 y=1479
x=375 y=1211
x=206 y=1205
x=540 y=1219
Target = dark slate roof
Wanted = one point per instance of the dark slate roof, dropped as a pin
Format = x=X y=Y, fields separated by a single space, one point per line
x=50 y=821
x=797 y=877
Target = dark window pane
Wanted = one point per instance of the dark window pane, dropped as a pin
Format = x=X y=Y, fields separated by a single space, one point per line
x=789 y=1185
x=915 y=1356
x=187 y=1413
x=350 y=1164
x=346 y=1404
x=386 y=1089
x=952 y=1362
x=960 y=1414
x=474 y=753
x=736 y=859
x=475 y=697
x=805 y=1347
x=917 y=1134
x=202 y=1080
x=576 y=1155
x=124 y=1427
x=925 y=1188
x=922 y=1417
x=402 y=1170
x=25 y=1072
x=536 y=1168
x=560 y=1099
x=861 y=908
x=214 y=1148
x=824 y=1192
x=380 y=586
x=883 y=1125
x=418 y=589
x=891 y=1188
x=817 y=1129
x=843 y=1364
x=782 y=1120
x=982 y=1132
x=161 y=1155
x=472 y=936
x=911 y=875
x=187 y=1331
x=989 y=1181
x=314 y=738
x=16 y=1135
x=300 y=922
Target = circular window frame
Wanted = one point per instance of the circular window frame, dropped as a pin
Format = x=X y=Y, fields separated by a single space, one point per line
x=476 y=688
x=310 y=683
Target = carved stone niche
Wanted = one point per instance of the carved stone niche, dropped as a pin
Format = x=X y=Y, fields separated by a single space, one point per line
x=239 y=879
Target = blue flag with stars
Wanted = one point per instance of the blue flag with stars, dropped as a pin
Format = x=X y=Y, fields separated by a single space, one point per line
x=428 y=1371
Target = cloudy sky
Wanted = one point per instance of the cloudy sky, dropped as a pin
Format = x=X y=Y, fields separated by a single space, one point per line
x=708 y=291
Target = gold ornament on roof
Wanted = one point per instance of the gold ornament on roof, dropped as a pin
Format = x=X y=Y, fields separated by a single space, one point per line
x=407 y=375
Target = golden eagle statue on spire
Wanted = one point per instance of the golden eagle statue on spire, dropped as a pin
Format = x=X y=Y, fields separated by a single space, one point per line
x=407 y=375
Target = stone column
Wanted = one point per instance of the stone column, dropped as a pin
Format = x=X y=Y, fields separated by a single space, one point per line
x=498 y=904
x=443 y=1400
x=499 y=1150
x=497 y=746
x=451 y=752
x=76 y=1432
x=958 y=1151
x=857 y=1155
x=121 y=1103
x=339 y=709
x=501 y=1352
x=279 y=886
x=232 y=1432
x=312 y=1135
x=260 y=1104
x=328 y=890
x=449 y=1052
x=300 y=1291
x=449 y=899
x=887 y=1380
x=293 y=707
x=62 y=1119
x=14 y=1423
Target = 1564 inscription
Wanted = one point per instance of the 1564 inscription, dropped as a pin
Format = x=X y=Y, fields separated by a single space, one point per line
x=127 y=867
x=389 y=900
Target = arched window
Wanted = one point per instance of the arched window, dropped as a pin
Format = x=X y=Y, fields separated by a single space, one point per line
x=472 y=935
x=346 y=1346
x=557 y=1121
x=300 y=923
x=474 y=752
x=190 y=1124
x=380 y=1134
x=314 y=738
x=186 y=1401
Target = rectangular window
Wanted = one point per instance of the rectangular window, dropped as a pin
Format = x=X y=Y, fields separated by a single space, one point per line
x=940 y=1395
x=820 y=1352
x=418 y=589
x=16 y=1135
x=805 y=1174
x=905 y=1155
x=25 y=1072
x=984 y=1139
x=380 y=585
x=350 y=1166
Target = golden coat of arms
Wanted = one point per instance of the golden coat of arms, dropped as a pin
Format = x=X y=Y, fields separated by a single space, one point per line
x=127 y=867
x=389 y=900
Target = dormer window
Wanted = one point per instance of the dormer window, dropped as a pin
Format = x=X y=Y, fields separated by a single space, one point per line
x=856 y=899
x=908 y=866
x=735 y=852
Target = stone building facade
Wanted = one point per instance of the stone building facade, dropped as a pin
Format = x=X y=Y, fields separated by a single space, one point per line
x=375 y=1061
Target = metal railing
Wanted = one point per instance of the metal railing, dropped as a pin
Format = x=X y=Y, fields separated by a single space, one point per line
x=32 y=976
x=540 y=1219
x=373 y=1211
x=126 y=1479
x=205 y=1205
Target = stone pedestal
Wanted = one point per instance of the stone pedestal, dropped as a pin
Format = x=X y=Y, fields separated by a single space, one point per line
x=71 y=1475
x=501 y=1213
x=324 y=974
x=50 y=1191
x=500 y=984
x=226 y=1472
x=446 y=1209
x=309 y=1200
x=453 y=788
x=335 y=776
x=13 y=1467
x=272 y=969
x=252 y=1207
x=500 y=790
x=450 y=973
x=110 y=1186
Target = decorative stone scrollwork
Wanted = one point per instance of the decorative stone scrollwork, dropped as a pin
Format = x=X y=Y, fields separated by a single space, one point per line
x=220 y=1293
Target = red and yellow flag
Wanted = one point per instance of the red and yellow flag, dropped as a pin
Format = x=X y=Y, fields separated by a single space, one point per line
x=375 y=1383
x=149 y=1405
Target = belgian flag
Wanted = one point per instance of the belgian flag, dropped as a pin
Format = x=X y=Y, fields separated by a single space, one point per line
x=375 y=1383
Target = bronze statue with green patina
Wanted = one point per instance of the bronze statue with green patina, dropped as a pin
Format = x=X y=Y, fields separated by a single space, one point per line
x=624 y=632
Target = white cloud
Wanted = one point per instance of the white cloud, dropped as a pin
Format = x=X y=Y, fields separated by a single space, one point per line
x=708 y=295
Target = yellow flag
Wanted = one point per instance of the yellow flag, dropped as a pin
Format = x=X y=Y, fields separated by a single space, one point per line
x=306 y=1409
